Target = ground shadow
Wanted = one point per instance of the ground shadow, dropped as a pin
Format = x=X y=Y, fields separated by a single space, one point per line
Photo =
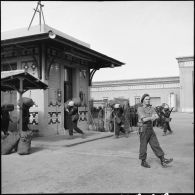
x=35 y=149
x=63 y=137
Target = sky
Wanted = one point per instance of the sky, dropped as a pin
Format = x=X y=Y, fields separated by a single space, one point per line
x=147 y=36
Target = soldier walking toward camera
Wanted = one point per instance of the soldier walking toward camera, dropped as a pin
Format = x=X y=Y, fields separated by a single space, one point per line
x=118 y=120
x=166 y=119
x=147 y=115
x=73 y=119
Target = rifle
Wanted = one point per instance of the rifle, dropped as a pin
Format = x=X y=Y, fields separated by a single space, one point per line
x=170 y=112
x=157 y=112
x=166 y=115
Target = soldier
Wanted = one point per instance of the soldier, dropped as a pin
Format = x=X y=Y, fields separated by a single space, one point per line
x=101 y=119
x=127 y=117
x=72 y=110
x=5 y=119
x=118 y=119
x=166 y=119
x=147 y=115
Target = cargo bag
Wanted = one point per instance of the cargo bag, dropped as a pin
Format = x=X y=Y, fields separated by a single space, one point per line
x=9 y=143
x=27 y=101
x=24 y=144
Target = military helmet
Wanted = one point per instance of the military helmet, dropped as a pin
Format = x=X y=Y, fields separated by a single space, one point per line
x=117 y=106
x=71 y=103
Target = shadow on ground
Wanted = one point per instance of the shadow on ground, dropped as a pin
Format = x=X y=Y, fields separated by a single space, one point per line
x=35 y=149
x=64 y=137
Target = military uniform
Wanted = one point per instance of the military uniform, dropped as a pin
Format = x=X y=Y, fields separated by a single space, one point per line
x=147 y=115
x=147 y=134
x=118 y=120
x=73 y=119
x=166 y=125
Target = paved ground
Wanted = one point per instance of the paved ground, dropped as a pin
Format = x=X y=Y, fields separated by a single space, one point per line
x=104 y=165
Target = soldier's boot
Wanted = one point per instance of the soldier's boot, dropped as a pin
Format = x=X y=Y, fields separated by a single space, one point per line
x=165 y=161
x=145 y=164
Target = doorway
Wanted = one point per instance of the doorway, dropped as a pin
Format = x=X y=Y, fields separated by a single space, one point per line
x=67 y=92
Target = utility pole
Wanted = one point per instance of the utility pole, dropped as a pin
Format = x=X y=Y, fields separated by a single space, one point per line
x=40 y=10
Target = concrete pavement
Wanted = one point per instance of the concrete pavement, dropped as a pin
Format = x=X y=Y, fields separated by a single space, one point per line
x=105 y=165
x=65 y=141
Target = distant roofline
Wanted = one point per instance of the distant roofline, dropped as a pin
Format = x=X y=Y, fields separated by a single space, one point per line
x=138 y=80
x=185 y=58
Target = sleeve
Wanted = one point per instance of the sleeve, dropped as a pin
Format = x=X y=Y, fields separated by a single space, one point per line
x=141 y=113
x=153 y=110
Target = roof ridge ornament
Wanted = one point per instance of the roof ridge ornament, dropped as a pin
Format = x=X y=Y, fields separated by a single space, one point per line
x=40 y=10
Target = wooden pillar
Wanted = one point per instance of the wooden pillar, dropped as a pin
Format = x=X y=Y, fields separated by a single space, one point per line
x=21 y=102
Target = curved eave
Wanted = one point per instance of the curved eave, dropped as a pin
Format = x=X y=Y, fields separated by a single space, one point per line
x=104 y=61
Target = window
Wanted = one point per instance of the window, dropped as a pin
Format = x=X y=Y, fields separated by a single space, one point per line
x=137 y=100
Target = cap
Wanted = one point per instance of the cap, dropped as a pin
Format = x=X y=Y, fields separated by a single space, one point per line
x=143 y=97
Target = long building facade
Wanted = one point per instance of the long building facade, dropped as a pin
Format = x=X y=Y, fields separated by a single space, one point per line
x=176 y=91
x=161 y=90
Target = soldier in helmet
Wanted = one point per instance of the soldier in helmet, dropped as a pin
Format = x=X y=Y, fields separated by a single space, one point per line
x=147 y=115
x=166 y=119
x=73 y=119
x=118 y=119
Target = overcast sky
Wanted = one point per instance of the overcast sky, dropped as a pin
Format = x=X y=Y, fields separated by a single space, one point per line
x=147 y=36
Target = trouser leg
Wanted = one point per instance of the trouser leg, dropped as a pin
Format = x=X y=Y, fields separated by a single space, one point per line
x=25 y=122
x=117 y=129
x=168 y=127
x=153 y=141
x=143 y=145
x=6 y=127
x=164 y=127
x=70 y=129
x=78 y=130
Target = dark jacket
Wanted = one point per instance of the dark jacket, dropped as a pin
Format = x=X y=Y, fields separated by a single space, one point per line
x=73 y=113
